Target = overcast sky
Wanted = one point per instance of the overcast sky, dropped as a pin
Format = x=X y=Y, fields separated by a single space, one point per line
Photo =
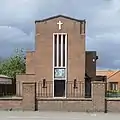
x=103 y=25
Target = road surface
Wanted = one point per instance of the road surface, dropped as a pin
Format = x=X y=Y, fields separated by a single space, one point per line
x=14 y=115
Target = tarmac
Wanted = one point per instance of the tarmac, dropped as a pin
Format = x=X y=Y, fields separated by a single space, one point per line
x=28 y=115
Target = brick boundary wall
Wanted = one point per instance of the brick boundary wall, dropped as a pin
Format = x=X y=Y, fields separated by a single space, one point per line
x=14 y=103
x=113 y=104
x=29 y=101
x=71 y=105
x=95 y=104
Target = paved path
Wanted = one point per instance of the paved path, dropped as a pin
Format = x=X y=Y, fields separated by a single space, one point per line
x=4 y=115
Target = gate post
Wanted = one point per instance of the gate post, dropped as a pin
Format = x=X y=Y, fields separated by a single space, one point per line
x=98 y=96
x=29 y=96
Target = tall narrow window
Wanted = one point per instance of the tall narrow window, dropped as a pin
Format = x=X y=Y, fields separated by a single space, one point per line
x=60 y=64
x=59 y=50
x=55 y=50
x=64 y=50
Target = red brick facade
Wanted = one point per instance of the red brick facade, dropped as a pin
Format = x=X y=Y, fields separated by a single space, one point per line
x=40 y=62
x=36 y=86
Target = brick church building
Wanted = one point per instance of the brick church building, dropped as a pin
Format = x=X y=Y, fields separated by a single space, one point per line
x=60 y=59
x=60 y=73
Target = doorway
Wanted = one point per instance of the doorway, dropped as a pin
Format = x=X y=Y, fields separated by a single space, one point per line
x=59 y=88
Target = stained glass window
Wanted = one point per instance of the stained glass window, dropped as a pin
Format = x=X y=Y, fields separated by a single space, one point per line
x=59 y=73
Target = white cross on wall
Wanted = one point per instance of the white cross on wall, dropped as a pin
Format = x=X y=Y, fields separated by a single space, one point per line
x=60 y=25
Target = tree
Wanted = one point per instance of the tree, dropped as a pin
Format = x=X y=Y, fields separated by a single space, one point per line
x=13 y=65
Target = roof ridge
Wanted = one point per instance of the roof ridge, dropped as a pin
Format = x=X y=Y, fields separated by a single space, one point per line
x=56 y=16
x=114 y=74
x=105 y=70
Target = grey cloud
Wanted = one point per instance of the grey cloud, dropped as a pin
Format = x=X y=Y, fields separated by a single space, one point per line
x=103 y=26
x=108 y=51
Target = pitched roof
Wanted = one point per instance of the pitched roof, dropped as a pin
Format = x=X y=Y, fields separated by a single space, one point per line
x=112 y=75
x=108 y=73
x=60 y=16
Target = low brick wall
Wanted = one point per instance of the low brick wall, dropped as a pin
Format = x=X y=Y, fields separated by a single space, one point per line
x=29 y=100
x=74 y=105
x=94 y=104
x=14 y=103
x=113 y=104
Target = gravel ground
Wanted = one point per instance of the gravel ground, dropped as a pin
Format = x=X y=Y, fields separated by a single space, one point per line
x=14 y=115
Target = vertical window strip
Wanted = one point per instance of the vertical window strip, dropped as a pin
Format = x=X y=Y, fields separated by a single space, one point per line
x=59 y=50
x=63 y=50
x=80 y=28
x=55 y=50
x=84 y=26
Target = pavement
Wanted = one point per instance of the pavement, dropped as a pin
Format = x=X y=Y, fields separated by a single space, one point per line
x=14 y=115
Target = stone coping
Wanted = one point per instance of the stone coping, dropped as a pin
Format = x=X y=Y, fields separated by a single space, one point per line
x=11 y=98
x=113 y=99
x=64 y=99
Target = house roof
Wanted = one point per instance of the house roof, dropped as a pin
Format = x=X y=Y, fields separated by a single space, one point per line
x=60 y=16
x=112 y=75
x=4 y=76
x=5 y=79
